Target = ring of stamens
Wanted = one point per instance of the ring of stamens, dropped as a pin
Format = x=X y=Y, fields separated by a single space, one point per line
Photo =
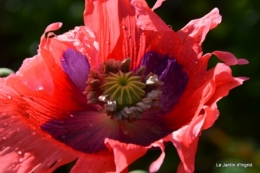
x=125 y=95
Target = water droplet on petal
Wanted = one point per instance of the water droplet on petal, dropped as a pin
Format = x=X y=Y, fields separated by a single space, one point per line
x=19 y=152
x=40 y=88
x=76 y=43
x=20 y=159
x=123 y=27
x=9 y=97
x=71 y=115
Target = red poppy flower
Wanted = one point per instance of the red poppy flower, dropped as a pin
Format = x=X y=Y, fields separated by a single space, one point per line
x=106 y=92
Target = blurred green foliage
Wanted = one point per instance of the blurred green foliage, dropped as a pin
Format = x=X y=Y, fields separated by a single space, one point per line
x=235 y=135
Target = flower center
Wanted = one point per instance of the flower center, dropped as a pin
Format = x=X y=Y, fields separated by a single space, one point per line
x=123 y=88
x=124 y=94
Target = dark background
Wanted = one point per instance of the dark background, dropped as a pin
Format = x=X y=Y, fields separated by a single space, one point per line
x=235 y=136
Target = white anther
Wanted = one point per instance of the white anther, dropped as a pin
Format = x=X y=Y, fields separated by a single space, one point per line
x=127 y=110
x=154 y=94
x=143 y=106
x=152 y=80
x=126 y=61
x=139 y=109
x=124 y=114
x=102 y=98
x=111 y=105
x=147 y=100
x=133 y=115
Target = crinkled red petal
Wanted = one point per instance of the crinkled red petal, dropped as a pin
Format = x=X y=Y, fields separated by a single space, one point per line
x=186 y=138
x=124 y=154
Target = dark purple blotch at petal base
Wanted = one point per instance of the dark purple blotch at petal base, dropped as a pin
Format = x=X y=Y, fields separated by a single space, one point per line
x=171 y=73
x=76 y=66
x=86 y=131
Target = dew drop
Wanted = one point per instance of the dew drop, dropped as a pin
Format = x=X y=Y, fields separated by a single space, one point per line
x=40 y=88
x=71 y=115
x=19 y=152
x=76 y=43
x=9 y=97
x=20 y=159
x=124 y=27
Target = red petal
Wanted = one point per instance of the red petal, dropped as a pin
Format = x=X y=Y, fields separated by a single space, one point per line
x=119 y=33
x=101 y=162
x=217 y=84
x=42 y=82
x=24 y=148
x=158 y=4
x=198 y=28
x=84 y=41
x=103 y=19
x=224 y=82
x=155 y=166
x=124 y=154
x=191 y=38
x=51 y=27
x=34 y=73
x=229 y=58
x=147 y=19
